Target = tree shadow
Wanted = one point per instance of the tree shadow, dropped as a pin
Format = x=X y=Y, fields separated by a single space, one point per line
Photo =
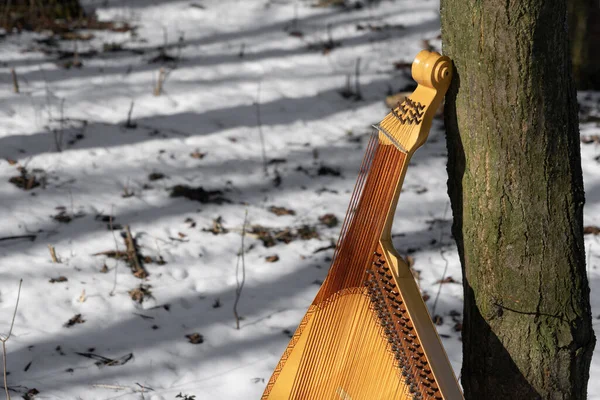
x=281 y=111
x=205 y=60
x=52 y=363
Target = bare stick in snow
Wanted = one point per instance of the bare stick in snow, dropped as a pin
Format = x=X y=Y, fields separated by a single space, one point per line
x=110 y=224
x=260 y=132
x=55 y=259
x=4 y=340
x=134 y=261
x=15 y=80
x=240 y=283
x=357 y=93
x=129 y=124
x=160 y=81
x=58 y=134
x=30 y=237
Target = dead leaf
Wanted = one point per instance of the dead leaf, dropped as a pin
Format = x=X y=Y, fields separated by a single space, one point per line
x=141 y=293
x=276 y=161
x=31 y=393
x=307 y=232
x=105 y=361
x=272 y=259
x=64 y=218
x=197 y=154
x=217 y=227
x=324 y=248
x=191 y=222
x=195 y=338
x=199 y=194
x=329 y=220
x=325 y=170
x=155 y=176
x=279 y=211
x=77 y=319
x=447 y=279
x=59 y=279
x=25 y=181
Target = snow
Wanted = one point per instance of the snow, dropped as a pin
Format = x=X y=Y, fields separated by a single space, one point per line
x=212 y=102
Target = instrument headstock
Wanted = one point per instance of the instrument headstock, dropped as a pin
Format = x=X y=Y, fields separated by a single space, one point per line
x=407 y=125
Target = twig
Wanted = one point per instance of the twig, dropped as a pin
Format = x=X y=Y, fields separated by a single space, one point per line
x=138 y=270
x=110 y=224
x=4 y=340
x=260 y=132
x=165 y=37
x=126 y=192
x=55 y=259
x=58 y=135
x=357 y=94
x=160 y=81
x=144 y=387
x=114 y=387
x=32 y=237
x=129 y=124
x=15 y=80
x=240 y=284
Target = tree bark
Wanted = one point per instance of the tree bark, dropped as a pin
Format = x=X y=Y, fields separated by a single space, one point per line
x=516 y=189
x=584 y=36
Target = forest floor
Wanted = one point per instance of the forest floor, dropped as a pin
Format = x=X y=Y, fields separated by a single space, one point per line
x=261 y=113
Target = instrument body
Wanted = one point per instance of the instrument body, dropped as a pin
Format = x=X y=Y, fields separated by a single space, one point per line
x=368 y=334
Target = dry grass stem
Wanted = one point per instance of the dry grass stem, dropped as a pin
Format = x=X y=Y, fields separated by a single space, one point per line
x=15 y=80
x=159 y=82
x=55 y=259
x=4 y=340
x=240 y=283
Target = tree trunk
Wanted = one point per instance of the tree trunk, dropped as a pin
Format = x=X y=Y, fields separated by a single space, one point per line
x=516 y=190
x=584 y=35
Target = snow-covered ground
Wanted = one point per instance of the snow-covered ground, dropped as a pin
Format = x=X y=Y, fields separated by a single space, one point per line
x=235 y=71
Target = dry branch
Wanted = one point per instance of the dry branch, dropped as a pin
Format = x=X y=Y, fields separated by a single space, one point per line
x=133 y=255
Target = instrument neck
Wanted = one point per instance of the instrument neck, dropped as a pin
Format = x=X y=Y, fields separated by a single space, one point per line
x=386 y=233
x=368 y=216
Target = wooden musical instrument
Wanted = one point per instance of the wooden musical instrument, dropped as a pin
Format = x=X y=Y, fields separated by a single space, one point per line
x=368 y=334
